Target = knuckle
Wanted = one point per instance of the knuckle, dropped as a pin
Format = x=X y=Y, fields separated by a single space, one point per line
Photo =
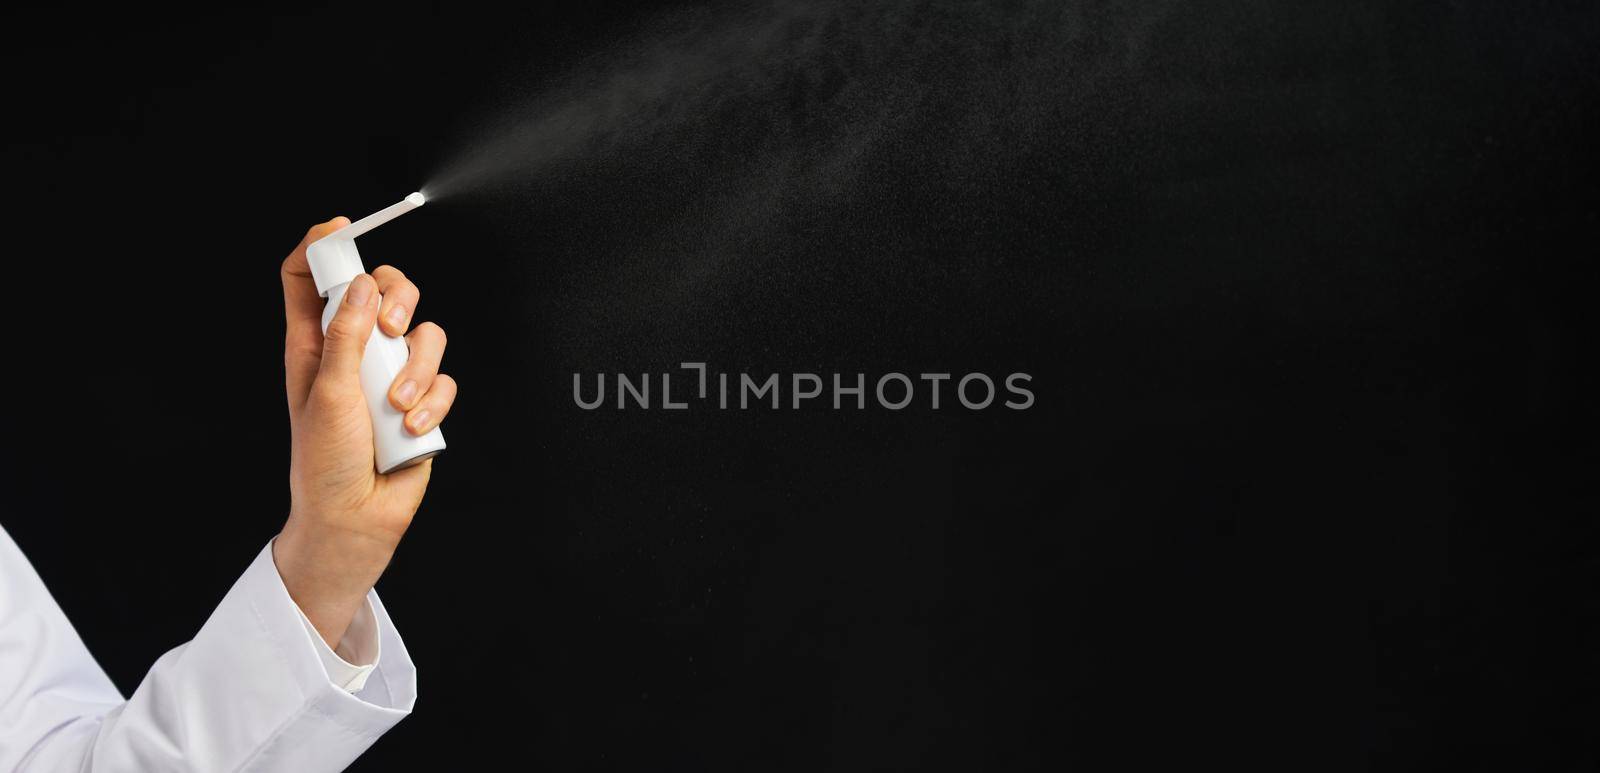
x=326 y=395
x=339 y=330
x=302 y=342
x=295 y=352
x=315 y=232
x=431 y=332
x=388 y=274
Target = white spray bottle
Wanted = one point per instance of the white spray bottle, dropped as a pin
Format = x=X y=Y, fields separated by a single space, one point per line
x=334 y=262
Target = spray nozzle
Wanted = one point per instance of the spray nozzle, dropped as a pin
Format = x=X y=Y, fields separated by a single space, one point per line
x=334 y=259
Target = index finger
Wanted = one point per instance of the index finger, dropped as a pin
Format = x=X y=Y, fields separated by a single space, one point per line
x=300 y=299
x=302 y=312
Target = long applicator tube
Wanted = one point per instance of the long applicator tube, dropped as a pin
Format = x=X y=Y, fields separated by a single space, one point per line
x=380 y=217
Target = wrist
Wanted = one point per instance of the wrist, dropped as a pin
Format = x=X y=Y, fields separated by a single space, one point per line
x=328 y=572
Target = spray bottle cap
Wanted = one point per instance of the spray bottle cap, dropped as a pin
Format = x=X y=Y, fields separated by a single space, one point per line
x=334 y=259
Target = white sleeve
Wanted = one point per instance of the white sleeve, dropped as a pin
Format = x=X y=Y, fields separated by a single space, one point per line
x=362 y=644
x=249 y=694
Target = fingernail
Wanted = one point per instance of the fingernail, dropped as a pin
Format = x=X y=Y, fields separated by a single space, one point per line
x=397 y=317
x=419 y=420
x=406 y=393
x=359 y=293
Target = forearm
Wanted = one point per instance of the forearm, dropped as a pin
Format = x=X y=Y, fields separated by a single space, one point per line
x=328 y=571
x=248 y=693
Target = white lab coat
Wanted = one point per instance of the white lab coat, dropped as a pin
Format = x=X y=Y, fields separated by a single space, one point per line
x=254 y=691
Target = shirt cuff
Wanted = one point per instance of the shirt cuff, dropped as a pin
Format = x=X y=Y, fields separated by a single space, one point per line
x=361 y=645
x=249 y=692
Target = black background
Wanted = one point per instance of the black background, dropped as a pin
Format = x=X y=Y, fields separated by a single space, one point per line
x=1307 y=484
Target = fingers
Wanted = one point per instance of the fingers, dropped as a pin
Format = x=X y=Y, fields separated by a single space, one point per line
x=302 y=307
x=433 y=406
x=400 y=298
x=427 y=344
x=346 y=338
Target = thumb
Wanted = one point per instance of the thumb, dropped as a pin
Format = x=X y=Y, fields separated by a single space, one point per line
x=346 y=338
